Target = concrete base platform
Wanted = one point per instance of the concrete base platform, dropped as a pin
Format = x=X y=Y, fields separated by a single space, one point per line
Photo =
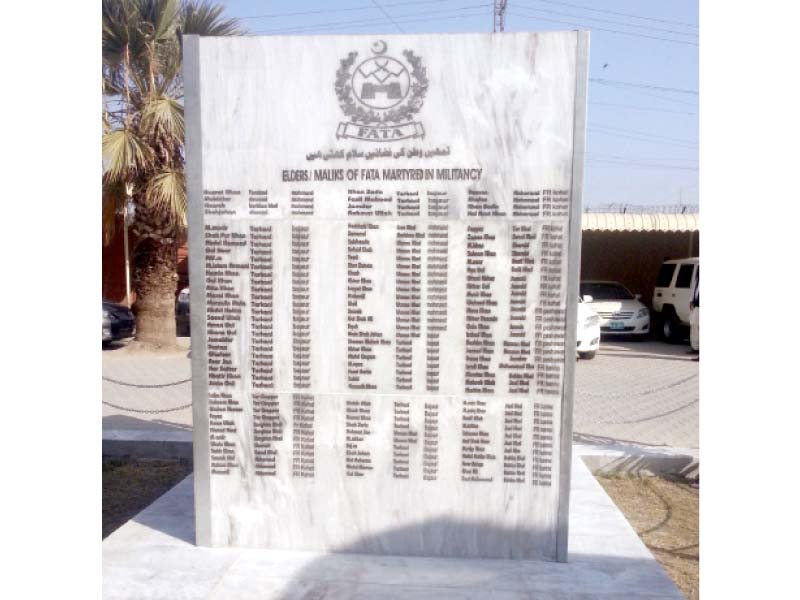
x=625 y=458
x=153 y=556
x=147 y=443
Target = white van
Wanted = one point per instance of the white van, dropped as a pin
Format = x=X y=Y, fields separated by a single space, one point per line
x=672 y=296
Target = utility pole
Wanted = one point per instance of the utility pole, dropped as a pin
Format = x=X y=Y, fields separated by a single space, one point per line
x=499 y=15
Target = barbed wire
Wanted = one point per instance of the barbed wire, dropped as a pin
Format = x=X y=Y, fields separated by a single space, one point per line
x=641 y=209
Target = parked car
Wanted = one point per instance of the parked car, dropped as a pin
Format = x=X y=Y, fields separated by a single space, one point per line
x=118 y=322
x=182 y=320
x=672 y=295
x=619 y=310
x=694 y=317
x=588 y=331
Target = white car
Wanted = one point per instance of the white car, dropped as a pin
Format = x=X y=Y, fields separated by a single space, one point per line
x=588 y=331
x=619 y=310
x=182 y=318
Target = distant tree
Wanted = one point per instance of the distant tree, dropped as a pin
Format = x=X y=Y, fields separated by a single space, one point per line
x=143 y=135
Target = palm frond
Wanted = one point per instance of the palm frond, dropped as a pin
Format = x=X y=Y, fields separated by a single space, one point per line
x=124 y=154
x=166 y=192
x=117 y=17
x=165 y=114
x=140 y=87
x=143 y=122
x=169 y=81
x=160 y=17
x=202 y=17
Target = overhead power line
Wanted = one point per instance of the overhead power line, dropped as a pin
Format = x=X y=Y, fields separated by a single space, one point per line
x=387 y=15
x=637 y=158
x=499 y=21
x=647 y=140
x=627 y=160
x=378 y=20
x=637 y=165
x=363 y=23
x=642 y=133
x=322 y=11
x=651 y=95
x=628 y=33
x=679 y=192
x=621 y=14
x=623 y=23
x=645 y=108
x=644 y=86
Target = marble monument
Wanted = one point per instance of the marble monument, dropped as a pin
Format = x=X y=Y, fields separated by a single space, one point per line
x=384 y=249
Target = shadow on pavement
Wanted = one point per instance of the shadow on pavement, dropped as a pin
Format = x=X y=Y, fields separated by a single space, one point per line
x=116 y=345
x=636 y=458
x=687 y=358
x=645 y=349
x=367 y=569
x=126 y=423
x=125 y=436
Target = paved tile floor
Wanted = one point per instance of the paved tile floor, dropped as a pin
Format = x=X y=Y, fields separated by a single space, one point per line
x=137 y=385
x=642 y=392
x=153 y=556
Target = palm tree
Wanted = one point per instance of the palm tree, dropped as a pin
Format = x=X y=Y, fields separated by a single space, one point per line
x=143 y=133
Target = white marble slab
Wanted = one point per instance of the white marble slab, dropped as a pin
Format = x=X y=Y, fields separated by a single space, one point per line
x=153 y=556
x=315 y=427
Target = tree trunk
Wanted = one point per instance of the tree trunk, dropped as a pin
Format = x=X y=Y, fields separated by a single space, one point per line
x=155 y=275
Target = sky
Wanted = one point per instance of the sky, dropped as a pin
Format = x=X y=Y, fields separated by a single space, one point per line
x=642 y=132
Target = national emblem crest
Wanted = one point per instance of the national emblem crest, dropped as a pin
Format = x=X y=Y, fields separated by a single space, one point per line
x=381 y=94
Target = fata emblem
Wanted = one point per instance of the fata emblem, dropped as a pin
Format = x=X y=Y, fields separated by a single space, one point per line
x=381 y=94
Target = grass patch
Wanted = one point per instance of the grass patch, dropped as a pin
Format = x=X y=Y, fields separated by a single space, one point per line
x=130 y=485
x=665 y=513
